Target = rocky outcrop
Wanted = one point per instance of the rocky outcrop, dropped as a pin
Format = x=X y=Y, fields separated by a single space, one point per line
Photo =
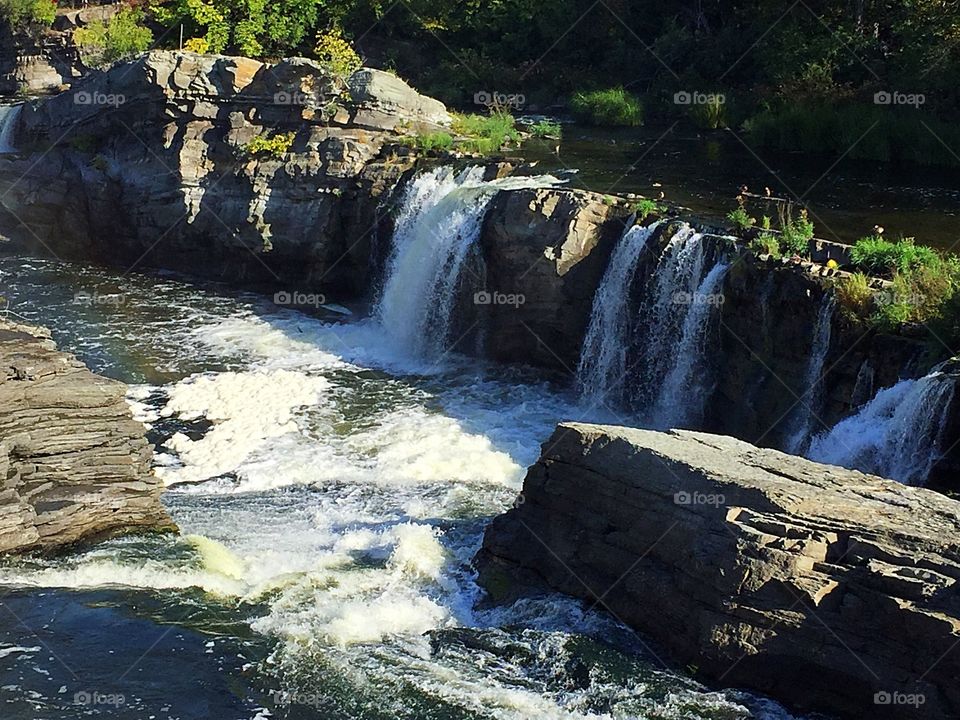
x=829 y=589
x=152 y=166
x=551 y=247
x=74 y=464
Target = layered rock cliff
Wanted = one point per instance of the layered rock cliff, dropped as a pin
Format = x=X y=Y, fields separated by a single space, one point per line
x=829 y=589
x=151 y=165
x=74 y=464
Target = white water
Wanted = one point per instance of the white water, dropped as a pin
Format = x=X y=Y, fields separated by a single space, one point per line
x=9 y=114
x=601 y=374
x=680 y=403
x=896 y=435
x=439 y=225
x=805 y=416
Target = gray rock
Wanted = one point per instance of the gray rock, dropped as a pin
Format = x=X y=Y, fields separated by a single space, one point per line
x=74 y=464
x=827 y=588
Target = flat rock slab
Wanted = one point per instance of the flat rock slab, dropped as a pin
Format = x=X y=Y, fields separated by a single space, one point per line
x=74 y=464
x=826 y=588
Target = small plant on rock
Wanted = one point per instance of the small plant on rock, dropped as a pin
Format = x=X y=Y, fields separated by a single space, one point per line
x=276 y=146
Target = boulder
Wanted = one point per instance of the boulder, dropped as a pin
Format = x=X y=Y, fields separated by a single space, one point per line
x=74 y=464
x=826 y=588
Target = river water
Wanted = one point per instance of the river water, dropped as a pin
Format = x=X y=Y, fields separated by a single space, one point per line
x=328 y=519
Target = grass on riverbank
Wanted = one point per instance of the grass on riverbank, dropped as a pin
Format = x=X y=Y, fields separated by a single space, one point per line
x=614 y=107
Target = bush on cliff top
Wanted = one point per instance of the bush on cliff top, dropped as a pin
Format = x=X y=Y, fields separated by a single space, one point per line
x=879 y=256
x=21 y=14
x=124 y=35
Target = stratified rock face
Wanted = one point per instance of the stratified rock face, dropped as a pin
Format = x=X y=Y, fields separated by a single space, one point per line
x=74 y=464
x=824 y=587
x=151 y=167
x=550 y=246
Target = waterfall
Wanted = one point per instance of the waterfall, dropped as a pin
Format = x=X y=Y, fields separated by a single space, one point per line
x=674 y=320
x=9 y=114
x=897 y=434
x=804 y=416
x=601 y=374
x=438 y=226
x=687 y=385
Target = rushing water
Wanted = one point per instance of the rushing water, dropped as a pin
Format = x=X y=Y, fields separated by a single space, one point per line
x=9 y=114
x=331 y=491
x=805 y=416
x=602 y=372
x=896 y=435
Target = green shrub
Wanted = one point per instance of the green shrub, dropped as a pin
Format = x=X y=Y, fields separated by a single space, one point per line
x=124 y=35
x=766 y=244
x=710 y=115
x=21 y=14
x=335 y=54
x=741 y=218
x=878 y=256
x=795 y=236
x=276 y=146
x=854 y=295
x=644 y=208
x=612 y=108
x=546 y=129
x=434 y=141
x=486 y=134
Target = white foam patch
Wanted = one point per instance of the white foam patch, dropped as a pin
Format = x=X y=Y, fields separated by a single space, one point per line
x=249 y=411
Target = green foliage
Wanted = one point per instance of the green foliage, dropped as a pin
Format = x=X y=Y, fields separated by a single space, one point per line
x=741 y=218
x=710 y=115
x=645 y=207
x=854 y=295
x=276 y=146
x=123 y=35
x=879 y=256
x=486 y=134
x=255 y=28
x=21 y=14
x=766 y=244
x=336 y=54
x=611 y=108
x=546 y=129
x=437 y=141
x=795 y=236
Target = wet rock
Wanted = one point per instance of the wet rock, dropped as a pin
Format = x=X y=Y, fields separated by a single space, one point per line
x=827 y=588
x=74 y=464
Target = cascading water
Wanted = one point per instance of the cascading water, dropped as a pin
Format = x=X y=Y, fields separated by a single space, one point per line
x=9 y=114
x=601 y=374
x=438 y=227
x=896 y=435
x=674 y=320
x=804 y=415
x=687 y=384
